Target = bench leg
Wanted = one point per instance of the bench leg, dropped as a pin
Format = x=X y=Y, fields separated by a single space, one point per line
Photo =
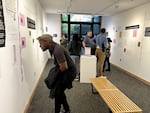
x=94 y=92
x=110 y=111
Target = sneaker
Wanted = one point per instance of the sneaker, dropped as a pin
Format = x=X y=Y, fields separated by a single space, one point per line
x=77 y=78
x=104 y=76
x=63 y=111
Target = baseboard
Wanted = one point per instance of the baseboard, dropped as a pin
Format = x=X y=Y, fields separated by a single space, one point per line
x=132 y=75
x=31 y=97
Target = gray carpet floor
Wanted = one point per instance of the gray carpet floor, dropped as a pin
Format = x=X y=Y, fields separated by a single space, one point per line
x=82 y=100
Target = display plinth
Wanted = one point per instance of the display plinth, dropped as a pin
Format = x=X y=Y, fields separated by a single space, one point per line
x=87 y=68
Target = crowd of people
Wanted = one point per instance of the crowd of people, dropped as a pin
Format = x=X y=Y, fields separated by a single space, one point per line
x=67 y=61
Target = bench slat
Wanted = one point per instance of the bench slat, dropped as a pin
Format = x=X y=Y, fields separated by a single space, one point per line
x=118 y=102
x=113 y=97
x=101 y=83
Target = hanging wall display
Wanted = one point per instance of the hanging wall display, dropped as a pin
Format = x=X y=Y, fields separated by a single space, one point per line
x=2 y=26
x=132 y=27
x=11 y=5
x=30 y=23
x=147 y=31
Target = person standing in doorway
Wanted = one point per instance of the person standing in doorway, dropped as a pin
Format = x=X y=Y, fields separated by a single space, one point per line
x=66 y=71
x=101 y=42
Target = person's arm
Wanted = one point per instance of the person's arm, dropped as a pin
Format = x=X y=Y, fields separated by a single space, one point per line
x=83 y=43
x=61 y=59
x=63 y=66
x=106 y=43
x=93 y=40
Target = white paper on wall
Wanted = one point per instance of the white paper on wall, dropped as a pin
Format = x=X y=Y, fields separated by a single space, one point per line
x=11 y=25
x=11 y=5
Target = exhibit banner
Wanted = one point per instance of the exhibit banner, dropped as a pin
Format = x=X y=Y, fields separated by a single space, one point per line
x=2 y=26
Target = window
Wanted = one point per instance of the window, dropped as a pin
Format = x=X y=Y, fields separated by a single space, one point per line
x=80 y=24
x=96 y=29
x=64 y=17
x=64 y=28
x=96 y=19
x=75 y=29
x=85 y=28
x=80 y=18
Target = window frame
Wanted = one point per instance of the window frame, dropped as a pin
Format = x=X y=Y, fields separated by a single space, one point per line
x=80 y=23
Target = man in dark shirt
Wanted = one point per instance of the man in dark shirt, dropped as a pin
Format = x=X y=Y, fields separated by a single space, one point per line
x=67 y=71
x=89 y=42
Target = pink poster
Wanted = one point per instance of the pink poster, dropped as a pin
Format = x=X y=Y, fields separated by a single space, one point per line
x=23 y=42
x=134 y=33
x=22 y=20
x=114 y=41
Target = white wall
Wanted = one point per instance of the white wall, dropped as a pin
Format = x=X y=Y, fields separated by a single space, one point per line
x=20 y=68
x=135 y=59
x=53 y=23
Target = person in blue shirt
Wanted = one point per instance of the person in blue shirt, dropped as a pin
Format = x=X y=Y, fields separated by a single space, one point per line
x=102 y=43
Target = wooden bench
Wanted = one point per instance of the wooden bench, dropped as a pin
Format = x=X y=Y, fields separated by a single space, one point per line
x=113 y=97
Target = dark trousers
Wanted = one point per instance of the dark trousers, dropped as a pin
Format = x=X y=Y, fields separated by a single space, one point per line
x=93 y=51
x=108 y=63
x=60 y=99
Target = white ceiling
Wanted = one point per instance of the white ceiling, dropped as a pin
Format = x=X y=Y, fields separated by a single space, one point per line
x=92 y=7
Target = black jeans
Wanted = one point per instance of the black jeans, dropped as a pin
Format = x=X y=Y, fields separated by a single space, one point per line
x=106 y=60
x=93 y=51
x=60 y=99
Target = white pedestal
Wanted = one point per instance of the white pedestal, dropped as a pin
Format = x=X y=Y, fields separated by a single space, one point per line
x=87 y=68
